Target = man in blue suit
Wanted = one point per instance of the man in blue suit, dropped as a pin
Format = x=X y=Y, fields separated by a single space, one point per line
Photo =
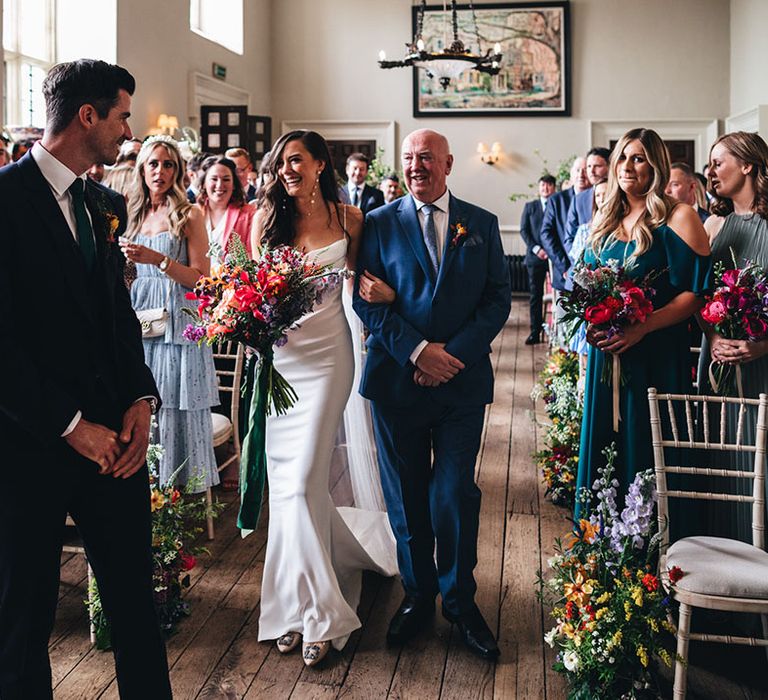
x=535 y=256
x=428 y=375
x=580 y=211
x=554 y=229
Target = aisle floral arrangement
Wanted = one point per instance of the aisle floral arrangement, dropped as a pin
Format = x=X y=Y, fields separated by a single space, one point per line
x=176 y=523
x=557 y=388
x=609 y=605
x=737 y=310
x=256 y=302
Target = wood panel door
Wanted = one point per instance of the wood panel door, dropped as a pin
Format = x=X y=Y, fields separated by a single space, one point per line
x=341 y=150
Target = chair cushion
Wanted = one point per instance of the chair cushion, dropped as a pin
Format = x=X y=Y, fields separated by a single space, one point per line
x=222 y=428
x=719 y=566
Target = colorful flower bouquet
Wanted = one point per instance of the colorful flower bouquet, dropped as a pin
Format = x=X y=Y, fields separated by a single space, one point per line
x=737 y=310
x=609 y=299
x=557 y=387
x=256 y=303
x=176 y=523
x=609 y=606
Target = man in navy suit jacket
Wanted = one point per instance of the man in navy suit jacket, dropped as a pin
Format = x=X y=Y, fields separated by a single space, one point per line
x=428 y=375
x=356 y=192
x=76 y=395
x=535 y=255
x=554 y=227
x=580 y=211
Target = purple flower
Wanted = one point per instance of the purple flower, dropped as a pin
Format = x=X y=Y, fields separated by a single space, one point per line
x=193 y=333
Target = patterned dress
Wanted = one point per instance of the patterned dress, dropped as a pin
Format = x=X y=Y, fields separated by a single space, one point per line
x=183 y=371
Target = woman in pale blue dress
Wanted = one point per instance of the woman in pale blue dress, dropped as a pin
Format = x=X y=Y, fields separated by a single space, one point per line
x=166 y=238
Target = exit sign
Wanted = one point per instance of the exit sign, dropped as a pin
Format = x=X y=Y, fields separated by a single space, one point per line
x=219 y=71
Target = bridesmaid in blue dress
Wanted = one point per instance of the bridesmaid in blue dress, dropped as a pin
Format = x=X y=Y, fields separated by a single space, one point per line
x=166 y=238
x=640 y=225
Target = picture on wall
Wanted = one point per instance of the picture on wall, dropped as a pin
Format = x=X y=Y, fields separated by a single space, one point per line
x=535 y=73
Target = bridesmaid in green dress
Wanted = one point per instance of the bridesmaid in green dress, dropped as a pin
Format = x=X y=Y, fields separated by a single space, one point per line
x=739 y=185
x=640 y=225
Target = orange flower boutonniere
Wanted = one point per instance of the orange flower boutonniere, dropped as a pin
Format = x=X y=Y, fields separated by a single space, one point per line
x=113 y=222
x=459 y=234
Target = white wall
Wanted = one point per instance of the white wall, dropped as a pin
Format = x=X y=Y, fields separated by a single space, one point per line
x=155 y=43
x=749 y=54
x=324 y=66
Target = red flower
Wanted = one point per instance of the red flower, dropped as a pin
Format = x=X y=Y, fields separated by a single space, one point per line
x=714 y=312
x=755 y=327
x=602 y=312
x=675 y=574
x=650 y=582
x=175 y=496
x=570 y=611
x=248 y=298
x=188 y=562
x=731 y=278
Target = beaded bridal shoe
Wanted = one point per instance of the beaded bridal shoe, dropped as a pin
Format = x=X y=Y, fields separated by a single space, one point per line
x=315 y=652
x=288 y=642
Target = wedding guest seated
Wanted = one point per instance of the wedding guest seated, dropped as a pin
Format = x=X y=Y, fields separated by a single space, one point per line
x=167 y=241
x=390 y=186
x=222 y=204
x=356 y=192
x=242 y=160
x=682 y=186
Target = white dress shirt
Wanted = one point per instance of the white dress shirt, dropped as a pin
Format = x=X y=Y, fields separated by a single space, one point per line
x=351 y=187
x=440 y=218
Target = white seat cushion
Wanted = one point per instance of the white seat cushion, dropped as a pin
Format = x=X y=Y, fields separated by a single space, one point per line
x=222 y=428
x=719 y=566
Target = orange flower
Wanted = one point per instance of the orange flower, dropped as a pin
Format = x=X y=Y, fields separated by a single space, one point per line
x=157 y=500
x=578 y=591
x=589 y=533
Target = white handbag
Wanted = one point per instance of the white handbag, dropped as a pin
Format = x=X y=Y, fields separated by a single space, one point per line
x=153 y=321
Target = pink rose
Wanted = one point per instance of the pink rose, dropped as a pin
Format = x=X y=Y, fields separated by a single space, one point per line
x=714 y=312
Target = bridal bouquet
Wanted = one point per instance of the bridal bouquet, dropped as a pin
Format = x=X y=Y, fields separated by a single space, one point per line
x=610 y=608
x=607 y=298
x=737 y=310
x=256 y=303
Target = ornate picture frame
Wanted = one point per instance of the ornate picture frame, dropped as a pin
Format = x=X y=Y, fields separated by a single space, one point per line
x=534 y=80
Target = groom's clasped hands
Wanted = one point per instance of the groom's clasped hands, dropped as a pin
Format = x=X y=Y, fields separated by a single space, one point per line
x=435 y=365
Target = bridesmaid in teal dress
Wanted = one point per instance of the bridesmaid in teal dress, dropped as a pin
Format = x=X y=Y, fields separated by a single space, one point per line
x=641 y=226
x=738 y=228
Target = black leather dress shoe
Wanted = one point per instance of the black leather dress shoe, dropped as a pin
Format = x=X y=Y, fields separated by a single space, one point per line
x=533 y=339
x=475 y=633
x=410 y=618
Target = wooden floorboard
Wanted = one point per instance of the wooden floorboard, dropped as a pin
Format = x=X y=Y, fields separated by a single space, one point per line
x=215 y=653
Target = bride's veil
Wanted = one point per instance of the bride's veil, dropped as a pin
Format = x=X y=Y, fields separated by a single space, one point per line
x=358 y=427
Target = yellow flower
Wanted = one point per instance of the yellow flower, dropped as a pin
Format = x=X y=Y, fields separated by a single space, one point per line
x=637 y=596
x=653 y=624
x=601 y=613
x=616 y=639
x=667 y=625
x=603 y=598
x=627 y=611
x=642 y=654
x=157 y=500
x=665 y=657
x=578 y=591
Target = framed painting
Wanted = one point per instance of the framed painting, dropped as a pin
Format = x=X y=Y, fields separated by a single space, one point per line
x=534 y=79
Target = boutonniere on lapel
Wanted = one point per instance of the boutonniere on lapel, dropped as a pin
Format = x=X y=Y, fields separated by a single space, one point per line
x=112 y=222
x=459 y=234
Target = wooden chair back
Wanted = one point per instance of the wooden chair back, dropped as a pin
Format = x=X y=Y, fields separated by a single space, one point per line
x=701 y=434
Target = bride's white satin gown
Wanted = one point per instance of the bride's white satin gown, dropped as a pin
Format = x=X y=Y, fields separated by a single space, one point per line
x=315 y=551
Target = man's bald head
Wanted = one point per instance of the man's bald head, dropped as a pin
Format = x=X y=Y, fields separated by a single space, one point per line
x=427 y=162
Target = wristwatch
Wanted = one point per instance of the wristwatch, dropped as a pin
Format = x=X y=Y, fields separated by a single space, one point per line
x=152 y=401
x=164 y=263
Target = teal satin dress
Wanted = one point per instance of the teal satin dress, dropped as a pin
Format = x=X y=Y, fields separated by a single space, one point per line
x=661 y=359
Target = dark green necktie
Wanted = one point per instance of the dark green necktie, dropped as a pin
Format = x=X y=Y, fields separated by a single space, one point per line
x=83 y=223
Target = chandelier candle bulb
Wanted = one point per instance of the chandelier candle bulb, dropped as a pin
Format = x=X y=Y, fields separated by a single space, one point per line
x=382 y=55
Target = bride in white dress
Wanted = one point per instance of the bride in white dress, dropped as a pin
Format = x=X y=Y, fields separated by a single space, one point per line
x=315 y=551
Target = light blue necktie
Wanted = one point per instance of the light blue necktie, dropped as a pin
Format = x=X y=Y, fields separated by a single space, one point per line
x=430 y=236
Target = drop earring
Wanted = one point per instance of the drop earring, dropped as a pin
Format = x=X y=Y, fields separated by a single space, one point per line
x=312 y=195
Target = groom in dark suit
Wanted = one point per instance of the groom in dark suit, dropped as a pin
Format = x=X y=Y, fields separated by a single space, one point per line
x=75 y=394
x=428 y=375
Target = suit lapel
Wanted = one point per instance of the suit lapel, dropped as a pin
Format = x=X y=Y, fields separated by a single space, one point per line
x=409 y=222
x=67 y=250
x=455 y=216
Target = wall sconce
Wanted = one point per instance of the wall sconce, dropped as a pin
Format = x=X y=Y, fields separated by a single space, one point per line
x=490 y=157
x=167 y=124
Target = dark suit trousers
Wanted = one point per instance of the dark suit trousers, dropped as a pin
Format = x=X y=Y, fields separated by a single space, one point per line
x=113 y=518
x=537 y=273
x=427 y=456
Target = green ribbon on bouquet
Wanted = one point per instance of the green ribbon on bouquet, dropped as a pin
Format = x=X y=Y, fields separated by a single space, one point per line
x=253 y=458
